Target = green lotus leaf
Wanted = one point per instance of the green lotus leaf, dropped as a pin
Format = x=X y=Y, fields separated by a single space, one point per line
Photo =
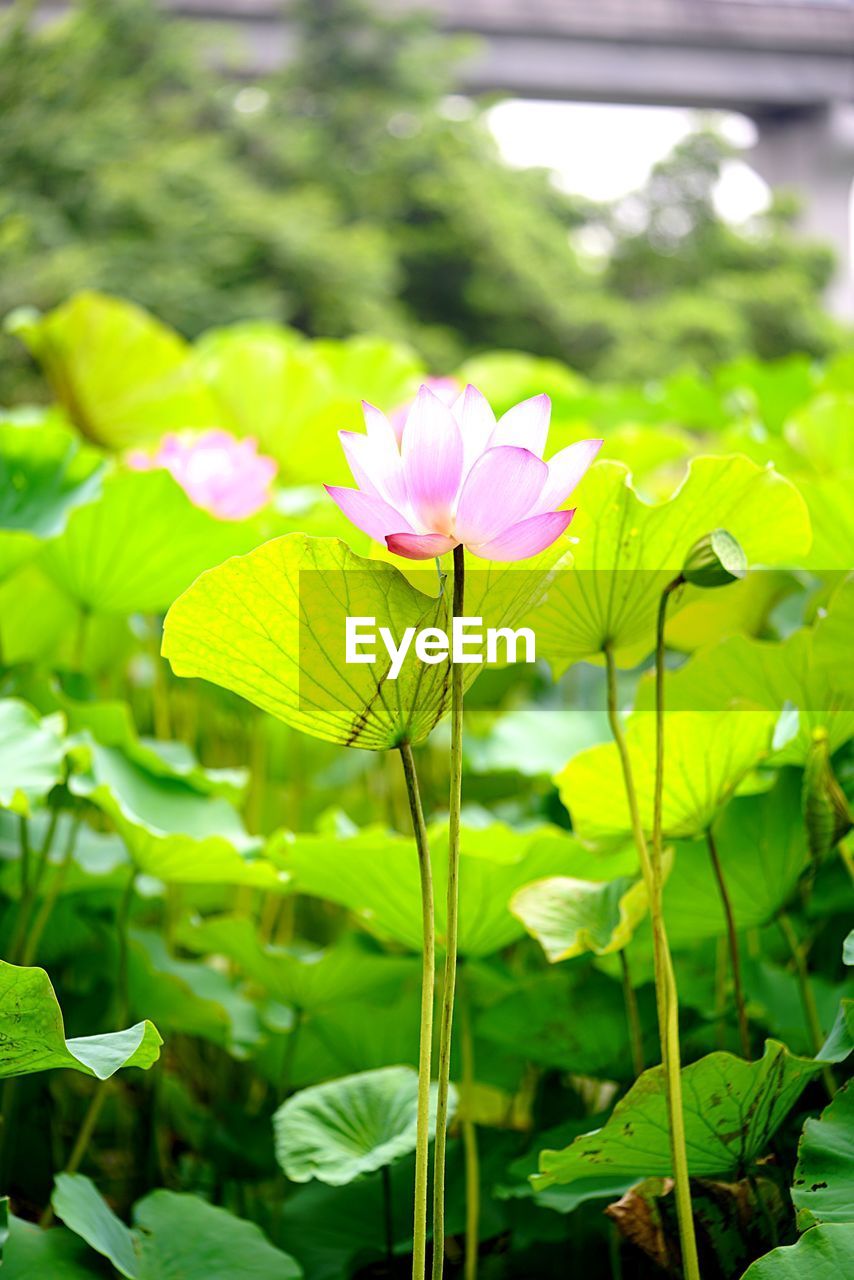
x=121 y=375
x=188 y=997
x=571 y=1018
x=77 y=1201
x=32 y=750
x=337 y=1131
x=732 y=1110
x=32 y=1035
x=376 y=876
x=569 y=917
x=139 y=546
x=533 y=741
x=628 y=551
x=707 y=755
x=823 y=1253
x=767 y=674
x=38 y=620
x=172 y=831
x=761 y=844
x=45 y=473
x=271 y=626
x=770 y=390
x=848 y=949
x=306 y=977
x=823 y=1187
x=182 y=1237
x=34 y=1254
x=99 y=859
x=832 y=639
x=821 y=433
x=840 y=1043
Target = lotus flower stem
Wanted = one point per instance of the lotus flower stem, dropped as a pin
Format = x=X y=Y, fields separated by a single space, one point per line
x=665 y=991
x=84 y=1137
x=447 y=1017
x=813 y=1022
x=732 y=942
x=469 y=1130
x=632 y=1017
x=428 y=984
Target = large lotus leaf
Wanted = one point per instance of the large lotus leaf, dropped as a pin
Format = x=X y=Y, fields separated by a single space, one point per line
x=840 y=1043
x=821 y=433
x=507 y=377
x=44 y=474
x=533 y=741
x=627 y=551
x=744 y=608
x=34 y=1254
x=39 y=622
x=77 y=1201
x=335 y=1132
x=271 y=626
x=761 y=844
x=823 y=1253
x=140 y=545
x=306 y=977
x=832 y=639
x=172 y=831
x=765 y=673
x=32 y=1034
x=572 y=1019
x=569 y=917
x=732 y=1110
x=823 y=1188
x=182 y=1237
x=707 y=755
x=32 y=750
x=832 y=515
x=188 y=997
x=121 y=375
x=376 y=875
x=769 y=390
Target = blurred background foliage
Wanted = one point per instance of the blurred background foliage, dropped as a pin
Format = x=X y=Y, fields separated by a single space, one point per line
x=355 y=193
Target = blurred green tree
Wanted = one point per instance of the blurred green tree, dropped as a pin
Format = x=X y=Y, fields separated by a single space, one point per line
x=354 y=192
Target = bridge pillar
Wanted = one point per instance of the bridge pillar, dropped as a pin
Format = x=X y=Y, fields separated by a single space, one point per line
x=813 y=152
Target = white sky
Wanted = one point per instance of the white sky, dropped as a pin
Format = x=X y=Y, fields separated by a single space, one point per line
x=606 y=151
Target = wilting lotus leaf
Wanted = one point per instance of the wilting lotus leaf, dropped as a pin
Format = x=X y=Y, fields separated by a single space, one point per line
x=45 y=473
x=768 y=674
x=628 y=551
x=569 y=917
x=121 y=375
x=32 y=750
x=708 y=753
x=32 y=1035
x=173 y=831
x=823 y=1189
x=339 y=1130
x=732 y=1110
x=309 y=978
x=823 y=1253
x=376 y=876
x=139 y=545
x=272 y=627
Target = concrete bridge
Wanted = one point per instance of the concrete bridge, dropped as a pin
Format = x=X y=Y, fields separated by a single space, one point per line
x=787 y=64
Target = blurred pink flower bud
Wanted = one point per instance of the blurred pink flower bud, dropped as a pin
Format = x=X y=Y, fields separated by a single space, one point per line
x=454 y=475
x=218 y=472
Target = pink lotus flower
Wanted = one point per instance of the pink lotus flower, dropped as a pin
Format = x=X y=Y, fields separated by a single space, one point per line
x=447 y=389
x=218 y=472
x=455 y=475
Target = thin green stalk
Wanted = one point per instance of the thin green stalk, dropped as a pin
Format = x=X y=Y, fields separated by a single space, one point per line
x=665 y=989
x=24 y=842
x=388 y=1215
x=84 y=1136
x=34 y=935
x=632 y=1016
x=811 y=1017
x=428 y=985
x=472 y=1162
x=732 y=942
x=122 y=921
x=447 y=1014
x=29 y=890
x=670 y=1003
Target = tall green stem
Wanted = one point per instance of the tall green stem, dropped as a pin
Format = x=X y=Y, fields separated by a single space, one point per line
x=665 y=987
x=428 y=983
x=732 y=942
x=447 y=1016
x=34 y=935
x=811 y=1017
x=670 y=1040
x=84 y=1136
x=122 y=922
x=472 y=1162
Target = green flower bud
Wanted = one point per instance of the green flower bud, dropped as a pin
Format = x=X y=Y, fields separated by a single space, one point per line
x=716 y=560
